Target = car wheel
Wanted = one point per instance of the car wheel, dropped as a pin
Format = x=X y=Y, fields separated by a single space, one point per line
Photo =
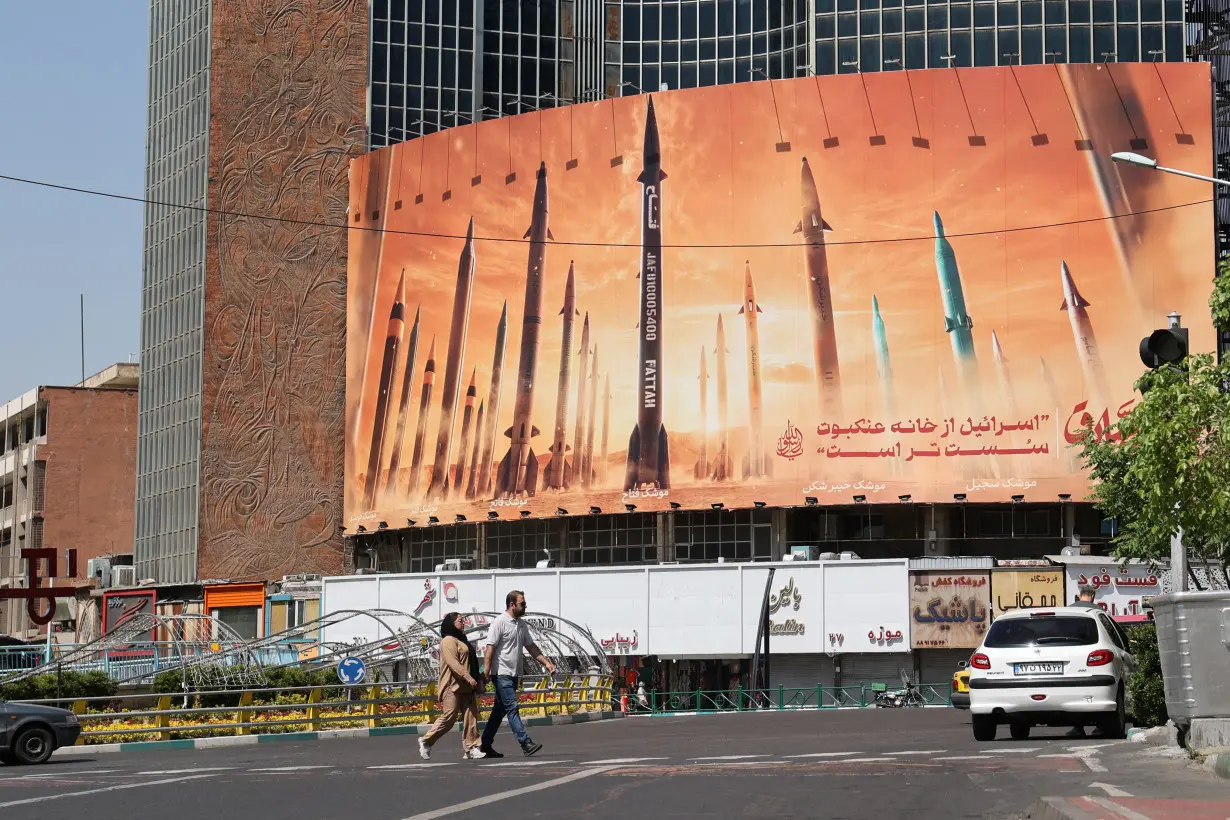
x=1020 y=731
x=984 y=728
x=33 y=746
x=1114 y=725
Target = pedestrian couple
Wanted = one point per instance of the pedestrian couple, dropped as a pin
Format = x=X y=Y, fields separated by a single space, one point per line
x=461 y=683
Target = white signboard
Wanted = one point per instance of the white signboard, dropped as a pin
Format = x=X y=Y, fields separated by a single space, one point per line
x=866 y=606
x=1117 y=589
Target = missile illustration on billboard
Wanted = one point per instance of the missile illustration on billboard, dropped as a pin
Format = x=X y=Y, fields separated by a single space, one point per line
x=403 y=406
x=820 y=296
x=648 y=451
x=472 y=484
x=582 y=407
x=884 y=367
x=755 y=463
x=420 y=432
x=585 y=461
x=701 y=470
x=1004 y=375
x=487 y=465
x=518 y=472
x=606 y=424
x=392 y=344
x=957 y=322
x=723 y=465
x=458 y=331
x=1057 y=403
x=1086 y=344
x=556 y=477
x=463 y=443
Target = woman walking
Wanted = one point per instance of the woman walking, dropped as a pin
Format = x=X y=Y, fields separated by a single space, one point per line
x=458 y=689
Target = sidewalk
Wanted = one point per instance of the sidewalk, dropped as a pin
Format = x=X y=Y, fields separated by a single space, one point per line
x=1128 y=808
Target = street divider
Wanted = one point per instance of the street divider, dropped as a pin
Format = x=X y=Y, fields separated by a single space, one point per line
x=238 y=713
x=781 y=698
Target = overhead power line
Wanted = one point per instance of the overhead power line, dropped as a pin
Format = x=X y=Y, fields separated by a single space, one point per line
x=579 y=244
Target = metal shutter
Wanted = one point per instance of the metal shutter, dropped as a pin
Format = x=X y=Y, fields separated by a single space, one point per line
x=870 y=668
x=936 y=666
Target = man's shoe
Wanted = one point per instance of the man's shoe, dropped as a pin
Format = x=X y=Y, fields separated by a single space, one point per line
x=424 y=750
x=487 y=751
x=530 y=749
x=474 y=754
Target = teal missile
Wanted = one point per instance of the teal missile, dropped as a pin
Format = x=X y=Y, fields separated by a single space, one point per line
x=884 y=367
x=957 y=322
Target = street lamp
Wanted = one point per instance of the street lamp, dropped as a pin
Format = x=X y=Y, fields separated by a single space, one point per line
x=1129 y=158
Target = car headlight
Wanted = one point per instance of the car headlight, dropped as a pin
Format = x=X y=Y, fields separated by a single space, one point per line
x=71 y=720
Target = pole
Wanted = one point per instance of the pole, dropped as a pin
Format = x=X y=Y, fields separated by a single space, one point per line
x=1178 y=562
x=83 y=338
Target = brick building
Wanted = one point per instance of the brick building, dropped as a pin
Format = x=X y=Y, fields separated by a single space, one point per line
x=67 y=477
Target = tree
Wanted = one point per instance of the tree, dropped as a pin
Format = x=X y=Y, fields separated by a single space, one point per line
x=1166 y=464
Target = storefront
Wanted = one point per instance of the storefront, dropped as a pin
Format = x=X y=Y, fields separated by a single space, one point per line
x=950 y=612
x=830 y=622
x=240 y=607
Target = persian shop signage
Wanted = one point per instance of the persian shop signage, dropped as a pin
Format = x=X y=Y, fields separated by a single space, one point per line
x=1118 y=590
x=1025 y=588
x=949 y=610
x=788 y=599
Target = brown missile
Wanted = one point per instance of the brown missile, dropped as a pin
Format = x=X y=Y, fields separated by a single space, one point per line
x=582 y=407
x=723 y=466
x=606 y=423
x=403 y=405
x=824 y=330
x=702 y=463
x=458 y=332
x=392 y=344
x=556 y=477
x=472 y=484
x=463 y=444
x=420 y=432
x=587 y=473
x=486 y=466
x=518 y=470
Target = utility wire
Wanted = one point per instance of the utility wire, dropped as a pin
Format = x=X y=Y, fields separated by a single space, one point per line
x=429 y=234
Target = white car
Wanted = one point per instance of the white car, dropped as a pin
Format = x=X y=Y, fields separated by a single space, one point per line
x=1066 y=666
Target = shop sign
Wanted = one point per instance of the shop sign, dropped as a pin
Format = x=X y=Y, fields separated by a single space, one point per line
x=1025 y=589
x=620 y=644
x=949 y=610
x=1118 y=590
x=788 y=599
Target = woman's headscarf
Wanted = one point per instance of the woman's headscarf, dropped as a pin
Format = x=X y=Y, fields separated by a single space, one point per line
x=448 y=628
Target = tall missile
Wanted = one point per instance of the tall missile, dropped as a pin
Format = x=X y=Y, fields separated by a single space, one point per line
x=1005 y=376
x=403 y=405
x=1052 y=388
x=557 y=469
x=702 y=463
x=586 y=464
x=884 y=367
x=392 y=344
x=472 y=484
x=518 y=471
x=463 y=444
x=755 y=464
x=458 y=332
x=1086 y=343
x=820 y=296
x=606 y=423
x=420 y=433
x=486 y=466
x=957 y=322
x=582 y=407
x=723 y=468
x=649 y=461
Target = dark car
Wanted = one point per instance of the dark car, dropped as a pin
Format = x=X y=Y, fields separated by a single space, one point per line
x=30 y=732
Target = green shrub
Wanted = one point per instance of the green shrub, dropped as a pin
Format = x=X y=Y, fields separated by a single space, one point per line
x=68 y=685
x=1145 y=690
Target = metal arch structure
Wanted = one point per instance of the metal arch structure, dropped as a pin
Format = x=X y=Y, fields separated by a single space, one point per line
x=573 y=651
x=208 y=653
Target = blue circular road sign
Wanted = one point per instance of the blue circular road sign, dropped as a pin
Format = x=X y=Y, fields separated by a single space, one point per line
x=351 y=671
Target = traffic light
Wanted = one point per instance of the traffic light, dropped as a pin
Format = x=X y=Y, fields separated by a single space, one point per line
x=1167 y=346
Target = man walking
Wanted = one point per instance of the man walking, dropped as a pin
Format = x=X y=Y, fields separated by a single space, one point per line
x=507 y=639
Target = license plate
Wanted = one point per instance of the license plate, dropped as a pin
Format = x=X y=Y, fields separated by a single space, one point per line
x=1039 y=668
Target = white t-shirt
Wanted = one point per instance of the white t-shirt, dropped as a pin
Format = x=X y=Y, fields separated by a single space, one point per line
x=508 y=635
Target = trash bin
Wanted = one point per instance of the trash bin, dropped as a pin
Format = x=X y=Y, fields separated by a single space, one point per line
x=1193 y=641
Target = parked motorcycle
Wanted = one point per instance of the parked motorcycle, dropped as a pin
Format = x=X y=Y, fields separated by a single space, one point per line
x=904 y=698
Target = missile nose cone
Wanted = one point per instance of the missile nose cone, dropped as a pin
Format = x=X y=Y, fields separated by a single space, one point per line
x=542 y=171
x=996 y=348
x=875 y=306
x=938 y=224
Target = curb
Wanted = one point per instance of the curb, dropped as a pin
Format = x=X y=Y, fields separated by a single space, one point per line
x=300 y=737
x=1057 y=808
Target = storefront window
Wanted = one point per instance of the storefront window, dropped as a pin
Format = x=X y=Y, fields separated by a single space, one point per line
x=244 y=620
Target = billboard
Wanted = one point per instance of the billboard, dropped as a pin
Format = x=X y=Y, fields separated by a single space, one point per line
x=949 y=610
x=847 y=288
x=1026 y=588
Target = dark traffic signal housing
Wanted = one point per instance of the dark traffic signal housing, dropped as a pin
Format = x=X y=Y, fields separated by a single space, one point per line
x=1163 y=347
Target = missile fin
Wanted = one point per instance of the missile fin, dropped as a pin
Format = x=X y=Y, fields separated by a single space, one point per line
x=740 y=313
x=798 y=226
x=634 y=456
x=502 y=480
x=825 y=226
x=758 y=310
x=527 y=232
x=949 y=325
x=534 y=431
x=550 y=235
x=508 y=433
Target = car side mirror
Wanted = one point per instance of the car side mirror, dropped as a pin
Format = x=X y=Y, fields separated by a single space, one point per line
x=962 y=664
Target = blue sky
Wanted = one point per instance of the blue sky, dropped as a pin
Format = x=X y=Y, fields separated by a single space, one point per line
x=72 y=112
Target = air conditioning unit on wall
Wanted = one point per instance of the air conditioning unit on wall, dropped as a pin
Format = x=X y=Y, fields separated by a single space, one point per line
x=124 y=576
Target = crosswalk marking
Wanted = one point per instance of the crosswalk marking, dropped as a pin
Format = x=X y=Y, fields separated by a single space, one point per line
x=727 y=757
x=826 y=754
x=411 y=765
x=527 y=763
x=621 y=760
x=926 y=752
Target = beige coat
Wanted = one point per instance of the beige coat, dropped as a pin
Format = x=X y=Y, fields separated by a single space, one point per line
x=454 y=666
